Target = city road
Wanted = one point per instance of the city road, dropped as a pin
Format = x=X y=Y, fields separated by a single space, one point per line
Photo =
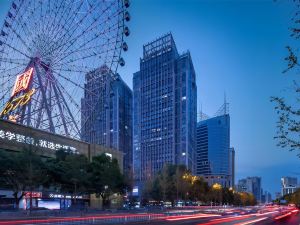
x=193 y=216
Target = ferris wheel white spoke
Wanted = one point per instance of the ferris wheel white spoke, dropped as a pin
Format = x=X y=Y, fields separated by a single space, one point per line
x=95 y=53
x=20 y=38
x=86 y=31
x=6 y=91
x=6 y=79
x=75 y=26
x=11 y=61
x=73 y=70
x=69 y=43
x=6 y=70
x=71 y=82
x=17 y=50
x=50 y=26
x=86 y=56
x=74 y=122
x=79 y=49
x=69 y=20
x=76 y=68
x=103 y=44
x=18 y=20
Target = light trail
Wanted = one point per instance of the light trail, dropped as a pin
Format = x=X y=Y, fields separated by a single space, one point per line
x=282 y=216
x=266 y=213
x=223 y=220
x=252 y=221
x=188 y=217
x=70 y=219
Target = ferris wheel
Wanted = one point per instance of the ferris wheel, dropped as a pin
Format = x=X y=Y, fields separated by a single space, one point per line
x=46 y=49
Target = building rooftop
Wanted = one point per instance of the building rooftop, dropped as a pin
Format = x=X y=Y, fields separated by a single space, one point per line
x=160 y=45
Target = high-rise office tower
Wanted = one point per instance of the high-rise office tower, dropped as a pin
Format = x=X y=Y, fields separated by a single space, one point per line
x=288 y=185
x=107 y=113
x=215 y=158
x=165 y=97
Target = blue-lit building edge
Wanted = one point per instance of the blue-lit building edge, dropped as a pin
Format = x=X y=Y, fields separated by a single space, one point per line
x=186 y=115
x=122 y=122
x=107 y=114
x=214 y=160
x=178 y=91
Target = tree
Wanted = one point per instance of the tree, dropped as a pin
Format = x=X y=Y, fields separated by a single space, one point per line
x=199 y=190
x=288 y=125
x=10 y=175
x=247 y=199
x=68 y=172
x=166 y=182
x=228 y=196
x=22 y=172
x=182 y=185
x=105 y=177
x=175 y=182
x=216 y=193
x=293 y=198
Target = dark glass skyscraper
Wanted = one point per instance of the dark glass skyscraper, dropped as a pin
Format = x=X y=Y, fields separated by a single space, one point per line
x=107 y=113
x=215 y=158
x=165 y=96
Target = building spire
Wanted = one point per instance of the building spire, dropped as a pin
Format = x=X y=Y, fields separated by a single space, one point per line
x=225 y=104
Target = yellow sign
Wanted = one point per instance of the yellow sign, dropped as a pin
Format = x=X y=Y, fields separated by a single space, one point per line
x=15 y=103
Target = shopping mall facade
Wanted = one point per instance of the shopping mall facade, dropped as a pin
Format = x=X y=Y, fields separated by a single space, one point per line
x=15 y=138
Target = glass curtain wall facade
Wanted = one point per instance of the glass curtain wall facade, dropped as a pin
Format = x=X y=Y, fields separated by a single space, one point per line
x=164 y=114
x=215 y=158
x=107 y=113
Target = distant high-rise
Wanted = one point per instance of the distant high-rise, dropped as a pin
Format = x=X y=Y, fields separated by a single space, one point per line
x=251 y=185
x=232 y=165
x=266 y=197
x=165 y=96
x=288 y=185
x=215 y=158
x=107 y=113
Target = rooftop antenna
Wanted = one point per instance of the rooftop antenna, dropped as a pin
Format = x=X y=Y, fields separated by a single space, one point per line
x=225 y=104
x=201 y=115
x=224 y=109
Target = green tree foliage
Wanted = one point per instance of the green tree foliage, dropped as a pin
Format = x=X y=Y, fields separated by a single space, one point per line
x=68 y=173
x=288 y=124
x=293 y=198
x=22 y=172
x=199 y=190
x=105 y=177
x=174 y=183
x=167 y=185
x=247 y=199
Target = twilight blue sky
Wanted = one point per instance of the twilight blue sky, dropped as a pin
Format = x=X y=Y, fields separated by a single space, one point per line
x=237 y=47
